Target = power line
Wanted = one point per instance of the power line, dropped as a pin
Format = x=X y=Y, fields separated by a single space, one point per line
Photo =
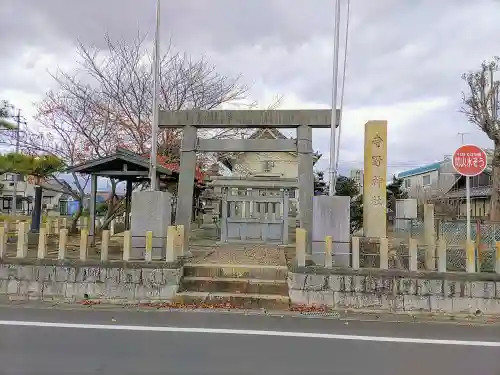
x=335 y=73
x=342 y=91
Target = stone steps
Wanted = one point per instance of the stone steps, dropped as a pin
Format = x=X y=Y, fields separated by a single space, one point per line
x=235 y=300
x=236 y=271
x=235 y=286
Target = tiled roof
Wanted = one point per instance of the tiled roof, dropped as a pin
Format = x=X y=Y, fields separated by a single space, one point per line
x=174 y=167
x=474 y=192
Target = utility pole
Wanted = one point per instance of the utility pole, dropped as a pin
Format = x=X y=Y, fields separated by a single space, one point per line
x=467 y=194
x=335 y=73
x=14 y=191
x=462 y=134
x=156 y=83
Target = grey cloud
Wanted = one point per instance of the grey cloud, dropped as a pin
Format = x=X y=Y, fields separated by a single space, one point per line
x=399 y=51
x=222 y=24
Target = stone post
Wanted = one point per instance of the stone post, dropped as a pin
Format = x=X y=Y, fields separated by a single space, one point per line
x=375 y=180
x=413 y=252
x=6 y=228
x=148 y=253
x=22 y=240
x=84 y=243
x=355 y=253
x=328 y=251
x=470 y=256
x=173 y=237
x=430 y=237
x=441 y=250
x=3 y=241
x=127 y=245
x=384 y=253
x=105 y=245
x=300 y=246
x=42 y=243
x=497 y=257
x=48 y=226
x=63 y=241
x=180 y=239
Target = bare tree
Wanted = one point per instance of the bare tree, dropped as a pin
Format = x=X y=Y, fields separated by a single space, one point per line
x=107 y=103
x=480 y=105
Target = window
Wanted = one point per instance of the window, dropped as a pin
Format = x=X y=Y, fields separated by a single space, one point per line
x=8 y=177
x=407 y=183
x=291 y=193
x=426 y=180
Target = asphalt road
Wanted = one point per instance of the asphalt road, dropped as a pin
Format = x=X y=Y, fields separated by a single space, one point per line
x=131 y=342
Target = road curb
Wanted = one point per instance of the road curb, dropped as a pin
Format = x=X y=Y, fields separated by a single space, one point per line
x=342 y=315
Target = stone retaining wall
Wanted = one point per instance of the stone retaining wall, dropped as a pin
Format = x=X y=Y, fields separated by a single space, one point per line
x=73 y=281
x=396 y=291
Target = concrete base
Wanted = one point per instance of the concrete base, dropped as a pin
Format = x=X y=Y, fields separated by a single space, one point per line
x=331 y=217
x=151 y=211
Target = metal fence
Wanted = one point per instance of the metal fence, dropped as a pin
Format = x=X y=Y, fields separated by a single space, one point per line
x=408 y=227
x=399 y=256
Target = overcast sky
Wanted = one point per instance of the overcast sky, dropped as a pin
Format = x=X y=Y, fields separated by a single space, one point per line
x=405 y=58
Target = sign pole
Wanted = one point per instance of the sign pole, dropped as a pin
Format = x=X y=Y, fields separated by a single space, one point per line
x=467 y=197
x=470 y=160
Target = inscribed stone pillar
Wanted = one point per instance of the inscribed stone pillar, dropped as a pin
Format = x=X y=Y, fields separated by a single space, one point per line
x=375 y=180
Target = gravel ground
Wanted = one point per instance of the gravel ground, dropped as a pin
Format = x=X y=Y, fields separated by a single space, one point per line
x=72 y=249
x=241 y=254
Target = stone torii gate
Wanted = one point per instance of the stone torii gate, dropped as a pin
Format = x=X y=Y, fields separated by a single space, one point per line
x=191 y=120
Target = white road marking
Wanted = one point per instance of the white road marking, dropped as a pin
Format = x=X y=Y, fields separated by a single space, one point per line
x=401 y=340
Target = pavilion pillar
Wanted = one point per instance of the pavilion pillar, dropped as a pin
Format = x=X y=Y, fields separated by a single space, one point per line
x=184 y=207
x=306 y=182
x=93 y=195
x=128 y=199
x=36 y=214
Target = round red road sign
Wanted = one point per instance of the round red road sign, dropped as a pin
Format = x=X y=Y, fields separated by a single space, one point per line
x=469 y=160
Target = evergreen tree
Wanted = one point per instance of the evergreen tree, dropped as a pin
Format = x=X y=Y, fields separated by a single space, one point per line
x=395 y=191
x=320 y=185
x=4 y=116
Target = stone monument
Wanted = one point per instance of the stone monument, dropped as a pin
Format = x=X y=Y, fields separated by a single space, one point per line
x=151 y=211
x=375 y=180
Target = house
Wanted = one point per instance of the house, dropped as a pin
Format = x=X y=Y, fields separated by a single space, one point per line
x=480 y=196
x=25 y=194
x=272 y=165
x=429 y=181
x=440 y=184
x=52 y=194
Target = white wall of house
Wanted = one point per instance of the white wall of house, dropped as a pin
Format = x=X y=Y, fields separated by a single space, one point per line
x=271 y=164
x=432 y=183
x=274 y=165
x=421 y=184
x=25 y=189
